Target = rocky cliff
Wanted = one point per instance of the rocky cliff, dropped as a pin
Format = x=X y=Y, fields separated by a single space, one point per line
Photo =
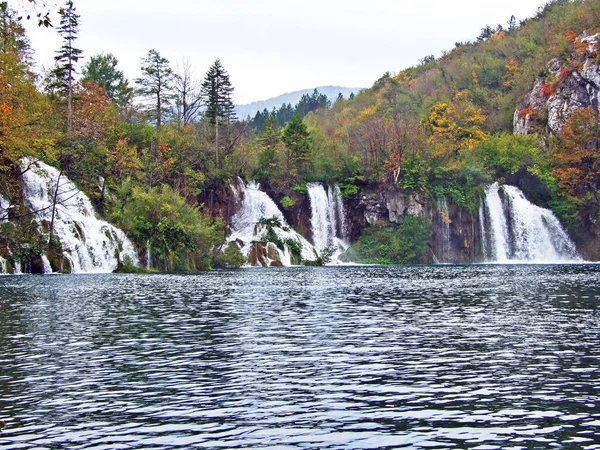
x=455 y=231
x=562 y=89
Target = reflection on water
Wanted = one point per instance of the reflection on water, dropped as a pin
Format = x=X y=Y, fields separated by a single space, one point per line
x=335 y=357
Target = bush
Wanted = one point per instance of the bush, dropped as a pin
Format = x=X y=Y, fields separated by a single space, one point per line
x=178 y=235
x=386 y=244
x=230 y=257
x=287 y=202
x=301 y=189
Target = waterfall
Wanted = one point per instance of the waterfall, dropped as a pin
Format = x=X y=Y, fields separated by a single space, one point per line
x=89 y=244
x=498 y=224
x=515 y=230
x=4 y=206
x=248 y=228
x=444 y=253
x=327 y=220
x=47 y=266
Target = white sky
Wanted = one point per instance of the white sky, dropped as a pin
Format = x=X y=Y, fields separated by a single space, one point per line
x=270 y=47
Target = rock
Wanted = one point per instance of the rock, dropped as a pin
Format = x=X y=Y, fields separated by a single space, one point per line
x=560 y=92
x=264 y=254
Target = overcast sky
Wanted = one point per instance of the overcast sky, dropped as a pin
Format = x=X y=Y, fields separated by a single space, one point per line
x=270 y=47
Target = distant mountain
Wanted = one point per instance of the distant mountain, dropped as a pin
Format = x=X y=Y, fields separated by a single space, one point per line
x=332 y=92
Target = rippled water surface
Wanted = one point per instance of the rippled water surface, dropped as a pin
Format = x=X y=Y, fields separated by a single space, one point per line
x=336 y=357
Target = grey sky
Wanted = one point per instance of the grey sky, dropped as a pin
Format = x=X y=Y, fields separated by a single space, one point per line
x=270 y=47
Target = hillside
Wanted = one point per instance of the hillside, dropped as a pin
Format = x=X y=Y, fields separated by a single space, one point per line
x=437 y=133
x=332 y=92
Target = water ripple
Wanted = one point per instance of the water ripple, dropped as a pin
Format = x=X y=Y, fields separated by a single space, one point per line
x=345 y=358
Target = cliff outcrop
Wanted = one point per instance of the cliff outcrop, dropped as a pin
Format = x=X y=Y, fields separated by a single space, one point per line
x=562 y=89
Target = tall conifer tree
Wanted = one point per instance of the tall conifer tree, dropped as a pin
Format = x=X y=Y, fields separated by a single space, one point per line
x=156 y=84
x=217 y=96
x=67 y=57
x=102 y=69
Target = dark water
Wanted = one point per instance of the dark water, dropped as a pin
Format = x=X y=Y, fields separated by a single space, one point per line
x=351 y=357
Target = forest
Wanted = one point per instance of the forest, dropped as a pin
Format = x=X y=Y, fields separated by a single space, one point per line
x=156 y=154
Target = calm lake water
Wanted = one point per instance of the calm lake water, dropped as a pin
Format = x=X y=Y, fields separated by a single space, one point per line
x=336 y=357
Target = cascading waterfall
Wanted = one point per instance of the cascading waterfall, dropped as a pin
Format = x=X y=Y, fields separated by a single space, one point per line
x=515 y=230
x=47 y=266
x=248 y=227
x=4 y=206
x=89 y=244
x=444 y=249
x=327 y=218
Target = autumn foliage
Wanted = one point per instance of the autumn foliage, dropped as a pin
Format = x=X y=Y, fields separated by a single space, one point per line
x=578 y=161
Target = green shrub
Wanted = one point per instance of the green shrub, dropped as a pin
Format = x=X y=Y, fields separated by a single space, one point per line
x=230 y=257
x=301 y=189
x=386 y=244
x=178 y=235
x=287 y=202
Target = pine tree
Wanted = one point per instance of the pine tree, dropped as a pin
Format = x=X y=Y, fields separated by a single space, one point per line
x=157 y=84
x=102 y=69
x=296 y=138
x=217 y=96
x=66 y=58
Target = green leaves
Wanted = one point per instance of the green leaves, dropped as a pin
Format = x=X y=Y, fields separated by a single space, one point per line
x=386 y=244
x=178 y=236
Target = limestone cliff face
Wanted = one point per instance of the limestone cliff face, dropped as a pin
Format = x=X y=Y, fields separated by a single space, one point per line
x=561 y=90
x=455 y=231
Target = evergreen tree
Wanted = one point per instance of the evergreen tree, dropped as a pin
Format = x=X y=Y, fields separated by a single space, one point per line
x=217 y=96
x=66 y=58
x=309 y=103
x=296 y=138
x=269 y=139
x=156 y=84
x=102 y=69
x=12 y=33
x=285 y=114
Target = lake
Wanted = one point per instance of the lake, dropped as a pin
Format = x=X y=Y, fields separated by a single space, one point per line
x=481 y=356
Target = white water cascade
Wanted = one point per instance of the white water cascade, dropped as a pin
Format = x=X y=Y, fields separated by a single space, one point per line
x=328 y=222
x=247 y=229
x=515 y=230
x=444 y=248
x=89 y=244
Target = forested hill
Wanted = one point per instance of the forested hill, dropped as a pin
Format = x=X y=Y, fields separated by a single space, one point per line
x=157 y=155
x=292 y=98
x=444 y=128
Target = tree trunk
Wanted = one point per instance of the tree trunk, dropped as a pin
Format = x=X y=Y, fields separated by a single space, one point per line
x=217 y=140
x=70 y=104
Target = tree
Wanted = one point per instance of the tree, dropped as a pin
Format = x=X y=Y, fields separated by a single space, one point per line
x=296 y=138
x=458 y=125
x=188 y=100
x=12 y=33
x=102 y=69
x=217 y=96
x=67 y=57
x=309 y=103
x=270 y=140
x=96 y=117
x=156 y=84
x=578 y=162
